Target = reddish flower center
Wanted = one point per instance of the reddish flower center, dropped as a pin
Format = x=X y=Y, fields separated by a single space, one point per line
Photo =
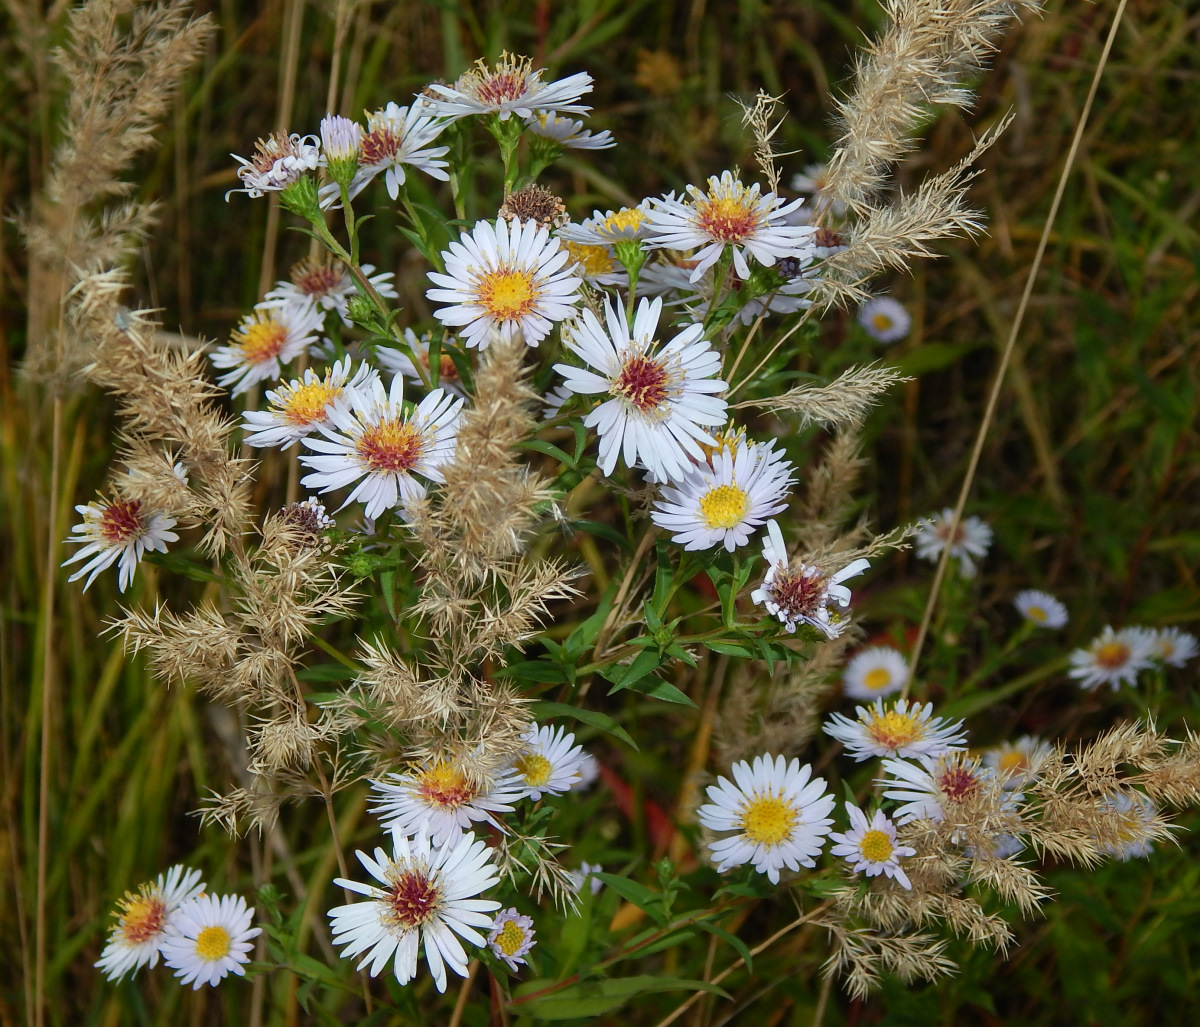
x=798 y=594
x=501 y=86
x=827 y=238
x=445 y=785
x=1112 y=655
x=142 y=917
x=957 y=783
x=391 y=446
x=378 y=146
x=122 y=521
x=314 y=279
x=413 y=900
x=643 y=381
x=727 y=219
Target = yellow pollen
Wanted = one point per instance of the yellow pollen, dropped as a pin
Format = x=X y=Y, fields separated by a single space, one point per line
x=212 y=943
x=768 y=819
x=894 y=730
x=510 y=938
x=261 y=340
x=142 y=918
x=391 y=446
x=1012 y=761
x=1036 y=613
x=881 y=322
x=727 y=441
x=443 y=784
x=306 y=403
x=724 y=506
x=876 y=846
x=535 y=768
x=624 y=218
x=1112 y=655
x=593 y=259
x=877 y=678
x=507 y=295
x=728 y=219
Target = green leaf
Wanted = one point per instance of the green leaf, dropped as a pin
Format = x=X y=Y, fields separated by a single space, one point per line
x=326 y=672
x=729 y=649
x=387 y=582
x=625 y=675
x=664 y=691
x=177 y=564
x=641 y=896
x=551 y=450
x=543 y=709
x=595 y=998
x=731 y=940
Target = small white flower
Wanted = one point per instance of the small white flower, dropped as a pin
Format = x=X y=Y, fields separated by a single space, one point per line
x=301 y=406
x=1017 y=763
x=813 y=182
x=372 y=441
x=550 y=764
x=803 y=595
x=586 y=874
x=589 y=770
x=142 y=921
x=1173 y=647
x=118 y=531
x=278 y=161
x=878 y=671
x=325 y=284
x=871 y=846
x=1040 y=609
x=396 y=137
x=624 y=225
x=781 y=816
x=899 y=730
x=1134 y=814
x=971 y=540
x=568 y=133
x=511 y=937
x=1112 y=658
x=937 y=784
x=512 y=87
x=661 y=394
x=507 y=276
x=724 y=503
x=265 y=341
x=210 y=936
x=885 y=319
x=553 y=401
x=442 y=799
x=398 y=362
x=728 y=214
x=424 y=901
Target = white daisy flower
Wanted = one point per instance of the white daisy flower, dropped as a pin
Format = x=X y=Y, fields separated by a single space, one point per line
x=899 y=730
x=301 y=406
x=780 y=816
x=1172 y=646
x=442 y=799
x=325 y=284
x=553 y=401
x=395 y=137
x=1040 y=608
x=425 y=900
x=586 y=874
x=1112 y=658
x=971 y=540
x=729 y=214
x=585 y=776
x=938 y=783
x=510 y=277
x=1017 y=763
x=511 y=937
x=550 y=764
x=813 y=182
x=624 y=225
x=1135 y=814
x=372 y=441
x=210 y=936
x=512 y=87
x=661 y=395
x=278 y=161
x=596 y=264
x=398 y=362
x=723 y=504
x=118 y=531
x=263 y=342
x=142 y=921
x=874 y=672
x=871 y=846
x=568 y=133
x=803 y=595
x=885 y=319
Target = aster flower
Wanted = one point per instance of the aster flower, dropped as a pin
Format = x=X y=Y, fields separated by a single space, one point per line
x=1135 y=815
x=586 y=874
x=874 y=672
x=553 y=401
x=871 y=846
x=425 y=900
x=510 y=277
x=813 y=183
x=937 y=784
x=728 y=214
x=143 y=919
x=441 y=798
x=724 y=503
x=265 y=341
x=625 y=225
x=511 y=937
x=512 y=87
x=210 y=936
x=899 y=730
x=597 y=264
x=971 y=540
x=395 y=138
x=1040 y=608
x=661 y=394
x=1112 y=658
x=398 y=362
x=586 y=774
x=340 y=138
x=885 y=319
x=803 y=595
x=118 y=531
x=372 y=441
x=550 y=763
x=1017 y=763
x=325 y=284
x=301 y=406
x=278 y=161
x=567 y=133
x=1172 y=646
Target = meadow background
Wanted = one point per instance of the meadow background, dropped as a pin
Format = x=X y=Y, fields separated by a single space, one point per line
x=1090 y=475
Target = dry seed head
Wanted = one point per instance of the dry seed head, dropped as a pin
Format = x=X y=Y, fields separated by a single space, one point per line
x=535 y=203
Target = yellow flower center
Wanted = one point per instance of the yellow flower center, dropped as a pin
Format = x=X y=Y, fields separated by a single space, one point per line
x=535 y=768
x=1112 y=655
x=142 y=917
x=626 y=218
x=507 y=295
x=444 y=784
x=1012 y=762
x=511 y=937
x=877 y=678
x=261 y=340
x=212 y=943
x=893 y=729
x=876 y=846
x=768 y=819
x=1036 y=613
x=881 y=322
x=593 y=259
x=727 y=441
x=307 y=402
x=391 y=446
x=724 y=506
x=729 y=219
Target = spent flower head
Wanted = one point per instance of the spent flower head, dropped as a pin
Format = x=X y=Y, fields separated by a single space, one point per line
x=118 y=531
x=278 y=161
